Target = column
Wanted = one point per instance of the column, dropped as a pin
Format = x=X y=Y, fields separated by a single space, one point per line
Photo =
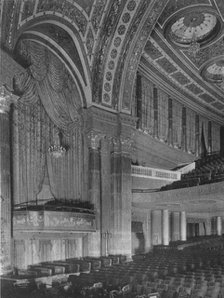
x=5 y=181
x=219 y=226
x=126 y=194
x=175 y=226
x=121 y=196
x=183 y=226
x=147 y=231
x=208 y=227
x=166 y=227
x=156 y=227
x=106 y=236
x=94 y=243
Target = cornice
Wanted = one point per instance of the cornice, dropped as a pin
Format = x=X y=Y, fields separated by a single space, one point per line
x=111 y=124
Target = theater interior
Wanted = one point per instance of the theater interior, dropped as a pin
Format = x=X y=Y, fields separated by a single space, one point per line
x=112 y=148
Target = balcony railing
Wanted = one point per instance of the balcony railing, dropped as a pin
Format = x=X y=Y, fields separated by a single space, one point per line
x=151 y=173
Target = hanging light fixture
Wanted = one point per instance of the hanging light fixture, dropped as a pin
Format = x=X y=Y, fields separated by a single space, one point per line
x=194 y=47
x=57 y=150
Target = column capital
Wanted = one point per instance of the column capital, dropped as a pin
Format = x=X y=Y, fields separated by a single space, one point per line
x=6 y=98
x=126 y=144
x=122 y=144
x=94 y=139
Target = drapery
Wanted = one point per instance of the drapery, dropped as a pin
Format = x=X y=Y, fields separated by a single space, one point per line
x=163 y=115
x=147 y=106
x=203 y=130
x=50 y=104
x=29 y=148
x=48 y=79
x=65 y=174
x=190 y=131
x=177 y=121
x=215 y=137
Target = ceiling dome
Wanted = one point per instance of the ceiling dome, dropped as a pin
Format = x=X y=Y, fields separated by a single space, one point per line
x=193 y=24
x=213 y=71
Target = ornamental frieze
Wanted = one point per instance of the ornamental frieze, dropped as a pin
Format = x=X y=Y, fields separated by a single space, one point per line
x=52 y=220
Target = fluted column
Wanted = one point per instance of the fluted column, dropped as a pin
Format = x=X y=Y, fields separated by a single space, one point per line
x=166 y=227
x=156 y=227
x=183 y=226
x=5 y=181
x=94 y=243
x=219 y=226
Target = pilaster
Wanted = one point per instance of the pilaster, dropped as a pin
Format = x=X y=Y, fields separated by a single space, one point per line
x=94 y=239
x=6 y=98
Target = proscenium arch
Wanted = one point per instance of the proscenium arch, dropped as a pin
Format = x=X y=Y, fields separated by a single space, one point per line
x=84 y=85
x=134 y=52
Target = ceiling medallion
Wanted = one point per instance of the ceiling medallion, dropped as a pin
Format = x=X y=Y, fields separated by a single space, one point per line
x=192 y=29
x=213 y=72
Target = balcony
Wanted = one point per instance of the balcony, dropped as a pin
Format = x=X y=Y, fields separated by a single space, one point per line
x=56 y=216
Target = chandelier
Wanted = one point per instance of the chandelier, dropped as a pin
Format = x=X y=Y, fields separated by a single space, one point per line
x=57 y=150
x=194 y=47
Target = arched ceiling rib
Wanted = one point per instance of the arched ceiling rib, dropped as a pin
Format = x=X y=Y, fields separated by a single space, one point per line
x=110 y=38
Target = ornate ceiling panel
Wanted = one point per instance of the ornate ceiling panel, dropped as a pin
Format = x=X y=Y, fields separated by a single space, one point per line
x=103 y=41
x=187 y=46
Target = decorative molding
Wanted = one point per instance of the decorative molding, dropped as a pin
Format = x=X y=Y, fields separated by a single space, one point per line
x=6 y=99
x=152 y=173
x=27 y=221
x=117 y=44
x=94 y=139
x=153 y=11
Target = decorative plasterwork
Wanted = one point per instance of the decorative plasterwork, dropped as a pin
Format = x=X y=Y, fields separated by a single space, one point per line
x=151 y=173
x=136 y=46
x=194 y=23
x=178 y=76
x=6 y=99
x=174 y=5
x=202 y=22
x=84 y=16
x=213 y=71
x=115 y=50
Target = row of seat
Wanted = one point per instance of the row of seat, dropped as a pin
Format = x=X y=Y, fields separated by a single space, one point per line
x=207 y=170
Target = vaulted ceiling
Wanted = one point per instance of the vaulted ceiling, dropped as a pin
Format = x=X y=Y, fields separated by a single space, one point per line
x=103 y=43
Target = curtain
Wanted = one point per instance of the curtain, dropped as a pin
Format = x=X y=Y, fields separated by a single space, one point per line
x=203 y=131
x=177 y=121
x=29 y=135
x=191 y=131
x=215 y=137
x=65 y=173
x=50 y=103
x=48 y=79
x=147 y=106
x=163 y=115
